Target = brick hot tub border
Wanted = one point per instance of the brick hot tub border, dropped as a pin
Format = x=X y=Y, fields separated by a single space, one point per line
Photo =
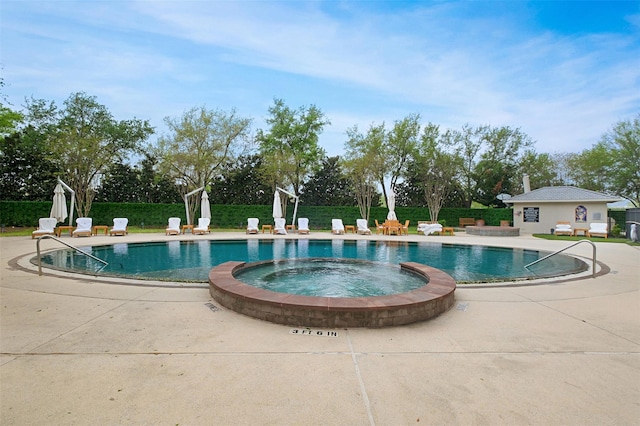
x=421 y=304
x=493 y=231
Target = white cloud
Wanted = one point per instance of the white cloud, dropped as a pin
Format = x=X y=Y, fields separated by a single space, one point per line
x=352 y=59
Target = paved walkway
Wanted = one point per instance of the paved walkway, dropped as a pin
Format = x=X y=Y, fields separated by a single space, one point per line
x=84 y=352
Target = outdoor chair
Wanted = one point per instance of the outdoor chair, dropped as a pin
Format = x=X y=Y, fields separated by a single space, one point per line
x=280 y=226
x=405 y=227
x=252 y=225
x=303 y=225
x=83 y=227
x=120 y=226
x=46 y=226
x=173 y=227
x=363 y=227
x=337 y=227
x=598 y=230
x=428 y=228
x=563 y=228
x=203 y=226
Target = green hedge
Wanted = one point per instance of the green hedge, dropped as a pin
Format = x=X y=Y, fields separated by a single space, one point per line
x=619 y=215
x=26 y=213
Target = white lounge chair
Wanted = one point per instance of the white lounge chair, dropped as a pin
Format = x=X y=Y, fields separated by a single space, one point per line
x=173 y=228
x=280 y=226
x=363 y=227
x=598 y=230
x=303 y=225
x=252 y=225
x=46 y=226
x=203 y=226
x=83 y=227
x=563 y=228
x=120 y=226
x=337 y=227
x=427 y=228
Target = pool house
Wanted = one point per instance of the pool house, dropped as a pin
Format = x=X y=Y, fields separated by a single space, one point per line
x=538 y=211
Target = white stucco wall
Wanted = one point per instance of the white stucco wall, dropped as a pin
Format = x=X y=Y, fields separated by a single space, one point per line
x=551 y=213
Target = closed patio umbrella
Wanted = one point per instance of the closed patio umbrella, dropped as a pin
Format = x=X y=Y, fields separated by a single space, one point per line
x=59 y=208
x=391 y=204
x=205 y=207
x=277 y=205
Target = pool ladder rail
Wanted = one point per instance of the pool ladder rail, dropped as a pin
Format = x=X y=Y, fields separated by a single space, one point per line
x=593 y=258
x=66 y=244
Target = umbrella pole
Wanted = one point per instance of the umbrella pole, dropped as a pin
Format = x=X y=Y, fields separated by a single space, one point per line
x=186 y=208
x=186 y=202
x=295 y=211
x=295 y=208
x=73 y=203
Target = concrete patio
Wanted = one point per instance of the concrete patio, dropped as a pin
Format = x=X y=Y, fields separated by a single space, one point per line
x=78 y=350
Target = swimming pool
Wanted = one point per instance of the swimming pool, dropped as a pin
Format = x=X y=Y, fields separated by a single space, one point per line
x=191 y=261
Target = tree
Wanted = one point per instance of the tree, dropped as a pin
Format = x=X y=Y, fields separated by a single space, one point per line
x=120 y=184
x=591 y=168
x=361 y=165
x=560 y=162
x=200 y=142
x=611 y=165
x=27 y=168
x=488 y=159
x=498 y=169
x=400 y=145
x=9 y=119
x=328 y=186
x=240 y=182
x=624 y=144
x=86 y=140
x=290 y=147
x=542 y=169
x=492 y=178
x=434 y=169
x=155 y=187
x=467 y=144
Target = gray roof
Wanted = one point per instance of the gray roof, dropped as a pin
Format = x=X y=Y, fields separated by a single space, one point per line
x=559 y=194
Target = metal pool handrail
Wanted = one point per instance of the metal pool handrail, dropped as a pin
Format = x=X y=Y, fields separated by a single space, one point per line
x=593 y=260
x=66 y=244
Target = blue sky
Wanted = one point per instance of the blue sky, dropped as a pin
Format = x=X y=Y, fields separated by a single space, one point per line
x=562 y=71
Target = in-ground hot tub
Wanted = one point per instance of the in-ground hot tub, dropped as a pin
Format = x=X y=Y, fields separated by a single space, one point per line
x=493 y=231
x=428 y=301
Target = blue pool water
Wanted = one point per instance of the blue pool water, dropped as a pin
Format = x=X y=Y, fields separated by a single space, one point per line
x=191 y=261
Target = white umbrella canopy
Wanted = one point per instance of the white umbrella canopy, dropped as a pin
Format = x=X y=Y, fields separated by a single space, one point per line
x=205 y=207
x=391 y=204
x=59 y=208
x=277 y=205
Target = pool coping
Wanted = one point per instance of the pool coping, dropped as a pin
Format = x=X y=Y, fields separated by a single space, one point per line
x=421 y=304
